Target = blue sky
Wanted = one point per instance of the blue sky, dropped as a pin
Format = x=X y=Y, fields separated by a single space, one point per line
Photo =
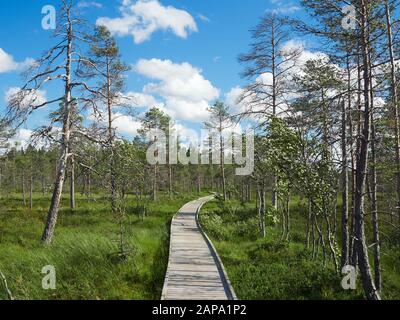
x=207 y=35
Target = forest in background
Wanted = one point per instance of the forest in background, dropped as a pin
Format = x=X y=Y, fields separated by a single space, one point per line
x=326 y=184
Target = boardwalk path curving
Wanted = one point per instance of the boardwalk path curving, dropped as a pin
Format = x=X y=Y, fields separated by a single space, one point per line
x=195 y=271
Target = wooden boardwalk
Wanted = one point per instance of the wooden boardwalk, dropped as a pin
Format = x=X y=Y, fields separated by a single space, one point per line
x=195 y=271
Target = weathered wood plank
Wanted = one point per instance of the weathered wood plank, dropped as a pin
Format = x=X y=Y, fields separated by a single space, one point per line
x=195 y=271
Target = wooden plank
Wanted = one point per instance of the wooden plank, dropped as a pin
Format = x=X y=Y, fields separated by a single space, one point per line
x=195 y=271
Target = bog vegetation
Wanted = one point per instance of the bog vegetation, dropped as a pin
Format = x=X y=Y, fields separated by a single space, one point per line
x=325 y=192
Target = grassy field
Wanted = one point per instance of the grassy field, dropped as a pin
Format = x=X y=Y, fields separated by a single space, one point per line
x=85 y=249
x=271 y=269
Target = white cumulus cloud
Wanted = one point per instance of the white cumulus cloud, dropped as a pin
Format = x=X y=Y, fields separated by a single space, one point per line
x=125 y=124
x=21 y=139
x=284 y=7
x=8 y=64
x=33 y=98
x=233 y=99
x=89 y=4
x=185 y=92
x=142 y=100
x=142 y=18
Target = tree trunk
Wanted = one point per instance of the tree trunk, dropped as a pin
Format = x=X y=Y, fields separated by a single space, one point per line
x=345 y=190
x=395 y=102
x=111 y=140
x=321 y=239
x=308 y=227
x=155 y=184
x=355 y=153
x=210 y=157
x=198 y=181
x=287 y=213
x=249 y=191
x=222 y=165
x=275 y=193
x=374 y=208
x=257 y=199
x=261 y=208
x=31 y=193
x=56 y=198
x=64 y=148
x=274 y=105
x=23 y=188
x=170 y=190
x=374 y=200
x=72 y=184
x=362 y=161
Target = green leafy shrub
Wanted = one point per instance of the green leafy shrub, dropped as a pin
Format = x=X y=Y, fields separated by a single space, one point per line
x=214 y=225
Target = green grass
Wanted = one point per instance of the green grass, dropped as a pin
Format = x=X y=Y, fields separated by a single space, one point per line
x=84 y=251
x=85 y=248
x=273 y=269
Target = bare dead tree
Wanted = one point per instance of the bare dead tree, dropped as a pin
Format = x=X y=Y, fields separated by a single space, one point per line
x=103 y=64
x=56 y=64
x=220 y=121
x=267 y=68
